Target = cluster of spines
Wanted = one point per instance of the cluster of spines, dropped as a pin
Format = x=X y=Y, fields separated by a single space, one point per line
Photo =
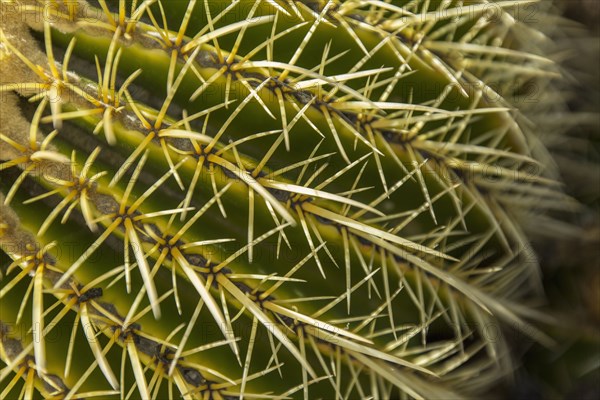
x=98 y=315
x=259 y=302
x=267 y=188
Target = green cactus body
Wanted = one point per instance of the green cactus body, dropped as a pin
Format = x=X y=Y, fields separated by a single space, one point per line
x=268 y=198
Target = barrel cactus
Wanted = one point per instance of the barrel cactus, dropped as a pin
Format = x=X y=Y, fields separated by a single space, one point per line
x=270 y=198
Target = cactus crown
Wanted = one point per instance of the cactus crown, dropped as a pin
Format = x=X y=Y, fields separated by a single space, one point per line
x=269 y=198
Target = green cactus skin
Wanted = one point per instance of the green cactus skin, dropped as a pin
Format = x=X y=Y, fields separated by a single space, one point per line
x=269 y=199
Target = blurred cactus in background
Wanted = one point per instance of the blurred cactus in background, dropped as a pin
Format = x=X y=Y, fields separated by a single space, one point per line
x=275 y=198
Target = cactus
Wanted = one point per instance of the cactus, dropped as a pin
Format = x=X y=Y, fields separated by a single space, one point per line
x=270 y=199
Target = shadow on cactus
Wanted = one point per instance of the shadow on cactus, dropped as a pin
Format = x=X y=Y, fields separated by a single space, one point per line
x=270 y=199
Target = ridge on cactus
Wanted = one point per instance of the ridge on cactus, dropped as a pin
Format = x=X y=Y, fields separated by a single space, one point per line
x=270 y=198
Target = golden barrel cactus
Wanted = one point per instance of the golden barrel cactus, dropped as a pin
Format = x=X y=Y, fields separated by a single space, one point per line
x=270 y=198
